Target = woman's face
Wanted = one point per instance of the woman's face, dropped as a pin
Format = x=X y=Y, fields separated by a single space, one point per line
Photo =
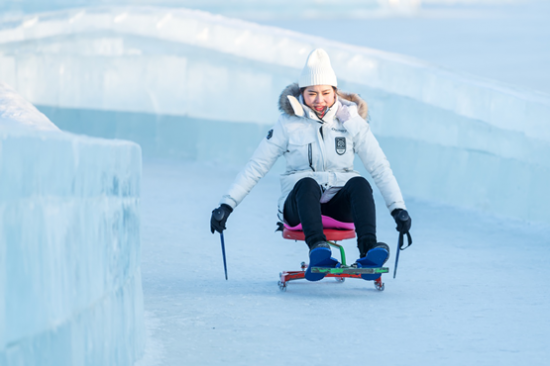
x=318 y=97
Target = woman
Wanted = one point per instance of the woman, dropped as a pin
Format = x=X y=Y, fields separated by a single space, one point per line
x=319 y=132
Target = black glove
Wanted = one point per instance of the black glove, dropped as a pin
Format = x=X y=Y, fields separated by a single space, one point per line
x=219 y=217
x=402 y=219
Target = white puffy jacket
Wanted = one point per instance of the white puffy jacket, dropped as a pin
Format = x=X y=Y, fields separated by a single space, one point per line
x=321 y=149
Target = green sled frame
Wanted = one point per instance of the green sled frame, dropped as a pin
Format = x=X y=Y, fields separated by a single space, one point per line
x=340 y=273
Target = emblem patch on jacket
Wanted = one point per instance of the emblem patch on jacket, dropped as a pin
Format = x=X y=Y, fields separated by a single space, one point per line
x=340 y=143
x=269 y=134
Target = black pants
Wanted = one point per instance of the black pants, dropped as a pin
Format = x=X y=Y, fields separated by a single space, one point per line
x=353 y=203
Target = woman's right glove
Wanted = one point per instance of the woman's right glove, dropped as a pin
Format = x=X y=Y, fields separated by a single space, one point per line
x=402 y=219
x=219 y=217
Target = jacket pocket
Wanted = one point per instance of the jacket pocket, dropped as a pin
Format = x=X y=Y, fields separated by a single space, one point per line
x=301 y=153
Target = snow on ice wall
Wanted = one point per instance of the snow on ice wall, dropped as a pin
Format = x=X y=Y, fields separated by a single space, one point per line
x=251 y=9
x=70 y=280
x=176 y=80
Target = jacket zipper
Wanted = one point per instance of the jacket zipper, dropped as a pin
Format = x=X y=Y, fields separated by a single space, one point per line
x=322 y=146
x=310 y=156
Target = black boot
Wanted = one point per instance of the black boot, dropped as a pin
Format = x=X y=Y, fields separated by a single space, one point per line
x=375 y=257
x=364 y=245
x=319 y=256
x=383 y=246
x=319 y=244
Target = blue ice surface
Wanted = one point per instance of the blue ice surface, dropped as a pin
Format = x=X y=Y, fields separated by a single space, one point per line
x=473 y=288
x=70 y=278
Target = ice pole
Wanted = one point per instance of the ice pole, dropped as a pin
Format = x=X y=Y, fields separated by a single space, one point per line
x=218 y=215
x=403 y=216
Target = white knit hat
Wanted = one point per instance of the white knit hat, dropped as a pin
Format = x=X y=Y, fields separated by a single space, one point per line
x=317 y=70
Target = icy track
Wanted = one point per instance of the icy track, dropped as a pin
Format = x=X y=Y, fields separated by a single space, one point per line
x=473 y=288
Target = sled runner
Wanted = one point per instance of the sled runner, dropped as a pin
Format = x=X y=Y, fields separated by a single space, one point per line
x=341 y=232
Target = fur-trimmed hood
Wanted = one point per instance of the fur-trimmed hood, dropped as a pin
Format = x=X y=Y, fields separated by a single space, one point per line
x=289 y=104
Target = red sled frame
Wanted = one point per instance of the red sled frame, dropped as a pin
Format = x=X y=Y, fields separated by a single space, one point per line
x=341 y=273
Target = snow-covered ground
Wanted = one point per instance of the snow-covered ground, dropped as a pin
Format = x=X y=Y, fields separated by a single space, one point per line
x=473 y=288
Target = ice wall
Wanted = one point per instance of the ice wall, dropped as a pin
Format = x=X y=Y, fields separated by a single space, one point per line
x=70 y=280
x=250 y=9
x=178 y=80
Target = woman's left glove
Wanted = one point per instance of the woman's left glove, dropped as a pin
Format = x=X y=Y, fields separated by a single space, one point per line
x=402 y=219
x=219 y=217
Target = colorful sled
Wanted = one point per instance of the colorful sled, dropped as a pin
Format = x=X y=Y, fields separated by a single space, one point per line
x=343 y=271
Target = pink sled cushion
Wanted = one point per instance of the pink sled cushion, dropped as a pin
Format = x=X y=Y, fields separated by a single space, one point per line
x=328 y=223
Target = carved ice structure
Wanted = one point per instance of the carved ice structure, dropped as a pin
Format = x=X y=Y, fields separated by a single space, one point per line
x=249 y=9
x=70 y=280
x=193 y=85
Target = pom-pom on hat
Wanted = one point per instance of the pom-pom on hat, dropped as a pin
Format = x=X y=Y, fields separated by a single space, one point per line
x=317 y=70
